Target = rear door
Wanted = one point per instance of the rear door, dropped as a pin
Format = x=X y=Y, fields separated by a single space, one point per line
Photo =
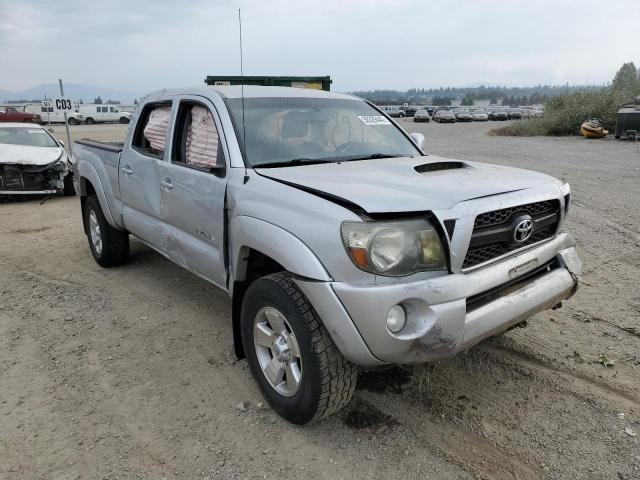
x=193 y=185
x=139 y=175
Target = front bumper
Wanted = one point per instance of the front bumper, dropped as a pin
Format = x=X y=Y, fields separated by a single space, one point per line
x=17 y=179
x=440 y=319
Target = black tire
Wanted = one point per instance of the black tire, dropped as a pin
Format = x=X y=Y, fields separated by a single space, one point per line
x=124 y=120
x=69 y=189
x=617 y=137
x=73 y=121
x=328 y=379
x=89 y=121
x=115 y=243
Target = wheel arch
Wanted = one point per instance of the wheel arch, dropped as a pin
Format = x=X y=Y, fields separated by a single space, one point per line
x=89 y=183
x=261 y=248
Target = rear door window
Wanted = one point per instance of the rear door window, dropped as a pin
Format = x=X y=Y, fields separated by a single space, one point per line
x=150 y=135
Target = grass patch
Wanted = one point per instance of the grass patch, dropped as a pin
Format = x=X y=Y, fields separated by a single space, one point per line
x=564 y=114
x=523 y=128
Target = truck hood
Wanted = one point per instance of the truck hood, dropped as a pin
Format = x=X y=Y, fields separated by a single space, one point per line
x=407 y=184
x=24 y=155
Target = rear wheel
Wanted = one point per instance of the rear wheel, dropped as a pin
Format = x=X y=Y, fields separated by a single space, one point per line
x=73 y=121
x=110 y=247
x=124 y=120
x=90 y=121
x=301 y=373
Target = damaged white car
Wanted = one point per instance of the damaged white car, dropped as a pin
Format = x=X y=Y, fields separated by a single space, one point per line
x=33 y=162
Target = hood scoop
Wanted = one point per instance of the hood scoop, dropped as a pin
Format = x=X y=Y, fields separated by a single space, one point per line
x=438 y=166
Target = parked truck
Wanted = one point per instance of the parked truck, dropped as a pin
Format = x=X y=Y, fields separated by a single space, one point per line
x=340 y=243
x=13 y=115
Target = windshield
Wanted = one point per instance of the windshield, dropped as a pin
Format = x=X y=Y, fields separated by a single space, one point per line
x=300 y=129
x=29 y=137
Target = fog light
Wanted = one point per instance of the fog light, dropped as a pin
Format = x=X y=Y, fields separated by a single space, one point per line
x=396 y=318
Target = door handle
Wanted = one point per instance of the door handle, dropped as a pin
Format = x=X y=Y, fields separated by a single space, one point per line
x=126 y=170
x=166 y=184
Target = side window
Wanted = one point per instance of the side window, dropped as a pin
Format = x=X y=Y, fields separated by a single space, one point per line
x=151 y=130
x=113 y=109
x=196 y=142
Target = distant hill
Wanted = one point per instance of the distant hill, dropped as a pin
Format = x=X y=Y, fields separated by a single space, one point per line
x=76 y=91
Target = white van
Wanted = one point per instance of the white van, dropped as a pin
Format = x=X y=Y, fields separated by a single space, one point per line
x=50 y=115
x=103 y=113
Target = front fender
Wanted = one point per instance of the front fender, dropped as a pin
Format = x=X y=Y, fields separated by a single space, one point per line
x=279 y=244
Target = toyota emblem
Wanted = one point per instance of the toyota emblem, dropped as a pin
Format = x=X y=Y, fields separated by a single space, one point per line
x=523 y=230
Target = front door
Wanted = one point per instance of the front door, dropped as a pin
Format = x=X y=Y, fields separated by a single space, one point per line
x=192 y=187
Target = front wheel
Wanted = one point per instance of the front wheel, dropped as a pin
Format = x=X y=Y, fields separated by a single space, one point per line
x=109 y=247
x=124 y=120
x=301 y=373
x=73 y=121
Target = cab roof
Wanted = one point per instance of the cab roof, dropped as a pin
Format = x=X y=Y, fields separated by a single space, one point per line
x=250 y=91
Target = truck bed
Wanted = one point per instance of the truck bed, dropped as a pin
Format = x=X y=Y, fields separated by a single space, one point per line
x=109 y=146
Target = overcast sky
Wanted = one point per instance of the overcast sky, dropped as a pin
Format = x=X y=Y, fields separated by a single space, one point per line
x=144 y=45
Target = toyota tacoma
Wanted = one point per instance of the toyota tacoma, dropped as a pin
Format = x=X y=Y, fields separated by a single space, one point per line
x=340 y=242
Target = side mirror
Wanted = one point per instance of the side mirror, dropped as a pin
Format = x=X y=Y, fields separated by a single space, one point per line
x=418 y=138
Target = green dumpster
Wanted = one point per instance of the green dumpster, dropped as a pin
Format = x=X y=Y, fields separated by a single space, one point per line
x=318 y=83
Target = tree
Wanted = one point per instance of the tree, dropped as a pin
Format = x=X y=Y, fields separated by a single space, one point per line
x=442 y=101
x=97 y=100
x=493 y=101
x=135 y=102
x=626 y=78
x=467 y=101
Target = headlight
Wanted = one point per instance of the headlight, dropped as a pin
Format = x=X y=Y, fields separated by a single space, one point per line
x=395 y=248
x=566 y=192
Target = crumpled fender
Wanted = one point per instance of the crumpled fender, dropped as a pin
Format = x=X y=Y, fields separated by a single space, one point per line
x=280 y=245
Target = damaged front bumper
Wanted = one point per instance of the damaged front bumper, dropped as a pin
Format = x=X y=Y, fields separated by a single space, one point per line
x=16 y=179
x=447 y=314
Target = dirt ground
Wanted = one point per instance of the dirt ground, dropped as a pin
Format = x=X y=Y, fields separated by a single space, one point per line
x=129 y=372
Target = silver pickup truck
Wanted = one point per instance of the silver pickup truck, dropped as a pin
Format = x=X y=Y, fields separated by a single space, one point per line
x=340 y=242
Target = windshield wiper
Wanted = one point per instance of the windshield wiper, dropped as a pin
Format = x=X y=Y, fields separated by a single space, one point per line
x=373 y=156
x=295 y=161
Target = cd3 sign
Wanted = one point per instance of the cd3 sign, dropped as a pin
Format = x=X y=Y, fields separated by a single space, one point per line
x=63 y=104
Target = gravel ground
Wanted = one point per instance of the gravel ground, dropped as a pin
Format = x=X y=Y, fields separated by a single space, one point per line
x=129 y=372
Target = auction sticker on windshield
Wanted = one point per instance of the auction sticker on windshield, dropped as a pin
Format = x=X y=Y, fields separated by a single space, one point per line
x=374 y=120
